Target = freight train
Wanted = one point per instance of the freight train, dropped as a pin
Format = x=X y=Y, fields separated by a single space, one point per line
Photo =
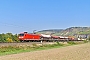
x=42 y=37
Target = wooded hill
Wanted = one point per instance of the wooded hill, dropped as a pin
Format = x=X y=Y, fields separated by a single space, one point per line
x=67 y=32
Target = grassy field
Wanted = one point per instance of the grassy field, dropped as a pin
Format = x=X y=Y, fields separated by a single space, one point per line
x=6 y=50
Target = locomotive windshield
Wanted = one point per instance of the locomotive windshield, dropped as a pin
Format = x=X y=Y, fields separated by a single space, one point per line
x=21 y=34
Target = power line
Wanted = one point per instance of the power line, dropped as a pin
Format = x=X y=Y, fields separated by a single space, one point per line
x=7 y=24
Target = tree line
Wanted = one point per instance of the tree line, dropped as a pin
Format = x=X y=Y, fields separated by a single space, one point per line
x=9 y=37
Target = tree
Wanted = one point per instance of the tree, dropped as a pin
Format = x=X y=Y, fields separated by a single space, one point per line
x=8 y=37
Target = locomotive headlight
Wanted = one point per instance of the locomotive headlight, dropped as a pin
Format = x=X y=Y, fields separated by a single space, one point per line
x=20 y=37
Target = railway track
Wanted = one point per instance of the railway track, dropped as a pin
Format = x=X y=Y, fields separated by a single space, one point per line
x=18 y=44
x=31 y=43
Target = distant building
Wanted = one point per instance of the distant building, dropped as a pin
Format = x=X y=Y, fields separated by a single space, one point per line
x=84 y=36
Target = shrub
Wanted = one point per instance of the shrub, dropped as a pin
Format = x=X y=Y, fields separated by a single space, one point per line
x=34 y=45
x=85 y=41
x=9 y=40
x=71 y=42
x=89 y=38
x=59 y=43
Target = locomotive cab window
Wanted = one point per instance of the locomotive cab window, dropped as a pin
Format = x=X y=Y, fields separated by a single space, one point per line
x=21 y=34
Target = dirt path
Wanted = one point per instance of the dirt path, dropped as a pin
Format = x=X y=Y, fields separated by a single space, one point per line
x=76 y=52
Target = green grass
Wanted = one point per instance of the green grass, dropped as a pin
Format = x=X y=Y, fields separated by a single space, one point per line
x=6 y=50
x=71 y=42
x=18 y=49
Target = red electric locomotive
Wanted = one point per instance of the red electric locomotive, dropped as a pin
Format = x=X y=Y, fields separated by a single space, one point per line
x=29 y=37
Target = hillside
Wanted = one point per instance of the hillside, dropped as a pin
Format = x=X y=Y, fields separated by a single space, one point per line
x=50 y=31
x=67 y=32
x=76 y=30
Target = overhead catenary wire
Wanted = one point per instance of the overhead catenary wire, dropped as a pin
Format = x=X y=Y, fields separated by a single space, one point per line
x=9 y=24
x=15 y=26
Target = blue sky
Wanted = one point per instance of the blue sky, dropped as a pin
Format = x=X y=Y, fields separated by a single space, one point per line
x=27 y=15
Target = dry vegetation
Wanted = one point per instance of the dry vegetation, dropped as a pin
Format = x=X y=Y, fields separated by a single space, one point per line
x=75 y=52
